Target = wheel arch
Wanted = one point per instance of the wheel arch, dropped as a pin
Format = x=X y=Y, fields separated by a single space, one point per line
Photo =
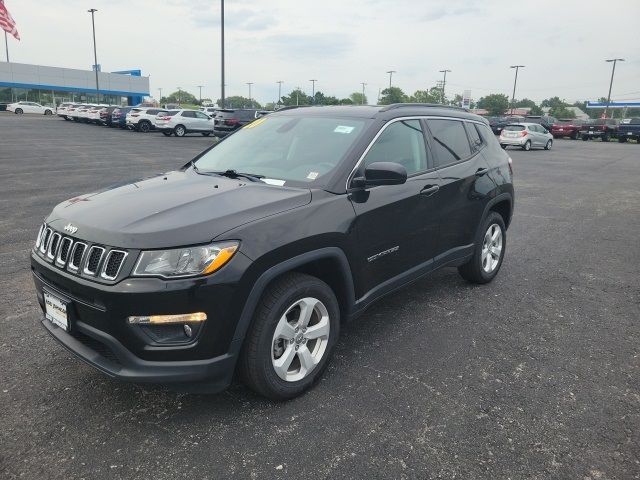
x=502 y=204
x=329 y=264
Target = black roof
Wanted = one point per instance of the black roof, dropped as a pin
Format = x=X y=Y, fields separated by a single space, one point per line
x=384 y=112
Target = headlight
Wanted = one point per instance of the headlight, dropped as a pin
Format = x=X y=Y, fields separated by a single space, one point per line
x=185 y=261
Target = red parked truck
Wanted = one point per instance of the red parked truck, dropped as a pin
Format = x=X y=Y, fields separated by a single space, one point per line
x=566 y=127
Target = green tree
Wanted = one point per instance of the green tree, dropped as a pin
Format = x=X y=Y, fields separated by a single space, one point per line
x=433 y=95
x=496 y=104
x=553 y=102
x=180 y=96
x=357 y=98
x=456 y=101
x=346 y=101
x=562 y=112
x=526 y=103
x=392 y=95
x=238 y=101
x=296 y=97
x=331 y=100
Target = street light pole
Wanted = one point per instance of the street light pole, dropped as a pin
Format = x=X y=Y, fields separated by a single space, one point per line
x=363 y=85
x=250 y=100
x=391 y=72
x=313 y=90
x=92 y=11
x=513 y=96
x=200 y=95
x=179 y=96
x=444 y=83
x=160 y=99
x=222 y=51
x=613 y=71
x=279 y=82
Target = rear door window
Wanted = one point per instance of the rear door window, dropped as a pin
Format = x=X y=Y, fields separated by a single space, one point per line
x=450 y=141
x=189 y=114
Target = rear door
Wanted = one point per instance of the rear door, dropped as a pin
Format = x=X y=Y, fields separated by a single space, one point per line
x=464 y=184
x=396 y=225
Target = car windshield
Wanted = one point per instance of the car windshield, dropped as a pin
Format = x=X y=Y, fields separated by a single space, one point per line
x=514 y=128
x=285 y=149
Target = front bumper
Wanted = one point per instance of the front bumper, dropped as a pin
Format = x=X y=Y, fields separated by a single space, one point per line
x=100 y=335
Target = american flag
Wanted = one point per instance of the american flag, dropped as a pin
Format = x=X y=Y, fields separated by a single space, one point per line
x=6 y=22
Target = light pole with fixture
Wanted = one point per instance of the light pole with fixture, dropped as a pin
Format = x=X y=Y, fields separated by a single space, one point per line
x=391 y=72
x=279 y=82
x=513 y=96
x=222 y=52
x=613 y=71
x=362 y=99
x=250 y=99
x=92 y=11
x=444 y=83
x=200 y=95
x=313 y=90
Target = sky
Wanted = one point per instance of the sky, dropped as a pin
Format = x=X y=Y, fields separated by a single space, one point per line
x=563 y=44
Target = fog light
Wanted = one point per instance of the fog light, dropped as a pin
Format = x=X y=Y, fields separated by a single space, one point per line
x=168 y=319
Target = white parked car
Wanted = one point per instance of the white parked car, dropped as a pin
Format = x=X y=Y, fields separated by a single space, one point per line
x=93 y=114
x=181 y=122
x=72 y=111
x=83 y=112
x=61 y=111
x=142 y=119
x=29 y=107
x=526 y=136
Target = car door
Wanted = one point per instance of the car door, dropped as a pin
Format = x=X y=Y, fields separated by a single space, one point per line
x=188 y=119
x=396 y=227
x=203 y=123
x=464 y=185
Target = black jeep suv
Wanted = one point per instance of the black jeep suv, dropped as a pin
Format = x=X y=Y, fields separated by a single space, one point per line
x=249 y=258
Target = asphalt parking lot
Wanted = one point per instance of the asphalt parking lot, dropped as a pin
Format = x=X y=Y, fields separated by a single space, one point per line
x=536 y=375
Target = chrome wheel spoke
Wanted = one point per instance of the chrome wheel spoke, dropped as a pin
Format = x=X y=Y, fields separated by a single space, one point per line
x=307 y=306
x=319 y=330
x=307 y=361
x=284 y=329
x=282 y=364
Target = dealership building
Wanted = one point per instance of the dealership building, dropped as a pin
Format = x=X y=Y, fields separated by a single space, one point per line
x=54 y=85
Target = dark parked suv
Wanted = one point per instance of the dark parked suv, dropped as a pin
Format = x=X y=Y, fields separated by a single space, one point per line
x=227 y=121
x=249 y=258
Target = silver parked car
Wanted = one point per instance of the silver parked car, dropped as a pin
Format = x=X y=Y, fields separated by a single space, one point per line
x=181 y=122
x=526 y=136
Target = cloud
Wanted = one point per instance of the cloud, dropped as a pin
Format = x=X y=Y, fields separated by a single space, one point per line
x=309 y=46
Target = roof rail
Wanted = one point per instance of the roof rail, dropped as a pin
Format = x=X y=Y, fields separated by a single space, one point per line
x=290 y=107
x=405 y=105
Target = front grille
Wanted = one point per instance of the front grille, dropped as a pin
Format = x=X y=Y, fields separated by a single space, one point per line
x=98 y=262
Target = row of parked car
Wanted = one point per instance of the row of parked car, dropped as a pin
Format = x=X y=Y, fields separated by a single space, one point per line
x=539 y=131
x=170 y=121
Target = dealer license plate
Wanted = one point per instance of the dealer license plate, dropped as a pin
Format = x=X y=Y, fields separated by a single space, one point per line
x=56 y=311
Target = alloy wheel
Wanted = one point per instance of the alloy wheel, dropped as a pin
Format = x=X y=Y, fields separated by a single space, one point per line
x=300 y=339
x=491 y=248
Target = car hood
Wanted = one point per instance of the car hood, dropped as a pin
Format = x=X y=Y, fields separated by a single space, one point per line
x=173 y=209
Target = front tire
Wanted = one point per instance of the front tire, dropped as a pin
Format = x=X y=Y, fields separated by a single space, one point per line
x=490 y=246
x=527 y=146
x=295 y=327
x=605 y=138
x=18 y=111
x=144 y=126
x=622 y=139
x=48 y=112
x=206 y=134
x=548 y=145
x=166 y=134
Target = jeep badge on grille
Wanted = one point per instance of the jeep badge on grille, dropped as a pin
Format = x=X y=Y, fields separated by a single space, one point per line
x=70 y=228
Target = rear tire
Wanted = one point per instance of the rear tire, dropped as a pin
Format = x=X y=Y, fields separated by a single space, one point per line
x=622 y=139
x=18 y=111
x=527 y=146
x=179 y=131
x=276 y=336
x=605 y=138
x=144 y=126
x=487 y=255
x=504 y=147
x=206 y=134
x=585 y=138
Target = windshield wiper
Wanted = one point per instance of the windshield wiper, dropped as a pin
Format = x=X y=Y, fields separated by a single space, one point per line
x=195 y=168
x=234 y=174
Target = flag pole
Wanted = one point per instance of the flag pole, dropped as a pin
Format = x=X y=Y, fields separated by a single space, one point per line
x=6 y=45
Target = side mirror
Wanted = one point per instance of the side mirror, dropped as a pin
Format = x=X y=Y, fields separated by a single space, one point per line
x=381 y=173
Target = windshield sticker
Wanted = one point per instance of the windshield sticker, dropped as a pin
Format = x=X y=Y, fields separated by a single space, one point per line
x=255 y=123
x=312 y=175
x=343 y=129
x=273 y=181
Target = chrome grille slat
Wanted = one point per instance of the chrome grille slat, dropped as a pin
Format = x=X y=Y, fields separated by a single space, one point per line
x=90 y=258
x=64 y=250
x=45 y=240
x=74 y=266
x=39 y=237
x=106 y=265
x=54 y=243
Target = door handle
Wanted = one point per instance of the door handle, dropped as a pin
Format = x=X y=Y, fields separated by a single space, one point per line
x=481 y=171
x=429 y=190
